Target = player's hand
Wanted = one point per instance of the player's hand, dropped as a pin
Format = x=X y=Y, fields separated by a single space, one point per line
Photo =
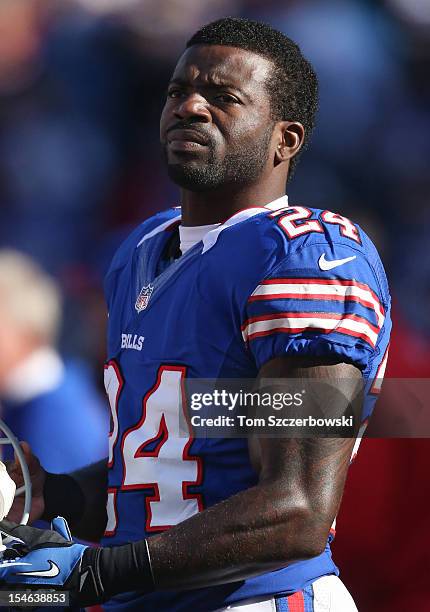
x=38 y=477
x=49 y=559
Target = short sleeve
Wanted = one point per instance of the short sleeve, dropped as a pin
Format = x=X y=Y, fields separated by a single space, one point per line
x=324 y=300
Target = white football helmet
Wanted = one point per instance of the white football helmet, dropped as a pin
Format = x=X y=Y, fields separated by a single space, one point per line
x=8 y=492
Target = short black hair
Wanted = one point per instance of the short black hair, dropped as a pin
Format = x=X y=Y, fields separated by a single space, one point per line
x=293 y=88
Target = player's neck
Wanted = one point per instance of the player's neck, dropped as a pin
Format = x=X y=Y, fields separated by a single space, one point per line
x=217 y=206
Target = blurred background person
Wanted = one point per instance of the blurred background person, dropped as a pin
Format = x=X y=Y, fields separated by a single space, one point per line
x=49 y=403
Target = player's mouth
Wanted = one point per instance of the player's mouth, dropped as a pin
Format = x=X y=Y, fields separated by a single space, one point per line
x=186 y=140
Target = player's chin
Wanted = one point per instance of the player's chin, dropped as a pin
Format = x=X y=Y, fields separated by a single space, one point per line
x=191 y=175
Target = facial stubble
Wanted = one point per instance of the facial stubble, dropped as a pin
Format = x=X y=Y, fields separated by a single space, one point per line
x=242 y=165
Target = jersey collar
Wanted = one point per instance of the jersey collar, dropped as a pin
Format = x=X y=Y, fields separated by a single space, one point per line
x=211 y=237
x=281 y=202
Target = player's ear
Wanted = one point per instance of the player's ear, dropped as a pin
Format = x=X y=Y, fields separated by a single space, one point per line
x=290 y=136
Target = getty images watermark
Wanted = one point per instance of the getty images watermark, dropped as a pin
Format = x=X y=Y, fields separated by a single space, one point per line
x=278 y=408
x=231 y=400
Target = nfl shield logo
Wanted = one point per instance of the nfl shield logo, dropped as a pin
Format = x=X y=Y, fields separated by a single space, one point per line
x=143 y=298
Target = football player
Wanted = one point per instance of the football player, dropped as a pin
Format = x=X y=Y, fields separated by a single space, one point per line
x=235 y=283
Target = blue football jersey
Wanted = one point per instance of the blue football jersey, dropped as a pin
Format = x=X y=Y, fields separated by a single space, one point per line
x=270 y=281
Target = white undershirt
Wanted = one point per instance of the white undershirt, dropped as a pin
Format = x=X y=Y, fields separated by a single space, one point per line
x=189 y=236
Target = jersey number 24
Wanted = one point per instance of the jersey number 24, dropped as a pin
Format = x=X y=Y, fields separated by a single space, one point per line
x=155 y=451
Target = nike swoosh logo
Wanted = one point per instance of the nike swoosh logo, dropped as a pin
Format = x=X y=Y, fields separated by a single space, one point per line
x=334 y=263
x=52 y=572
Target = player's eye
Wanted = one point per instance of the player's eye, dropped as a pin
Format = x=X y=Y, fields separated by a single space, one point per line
x=226 y=98
x=174 y=92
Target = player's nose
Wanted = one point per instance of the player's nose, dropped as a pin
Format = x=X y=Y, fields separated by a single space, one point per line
x=193 y=105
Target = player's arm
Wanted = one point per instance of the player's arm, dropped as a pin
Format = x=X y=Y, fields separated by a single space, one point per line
x=286 y=517
x=80 y=496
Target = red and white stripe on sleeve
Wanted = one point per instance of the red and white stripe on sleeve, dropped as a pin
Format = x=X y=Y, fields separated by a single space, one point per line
x=315 y=305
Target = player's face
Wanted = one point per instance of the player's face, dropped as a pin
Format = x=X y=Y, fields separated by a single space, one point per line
x=216 y=126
